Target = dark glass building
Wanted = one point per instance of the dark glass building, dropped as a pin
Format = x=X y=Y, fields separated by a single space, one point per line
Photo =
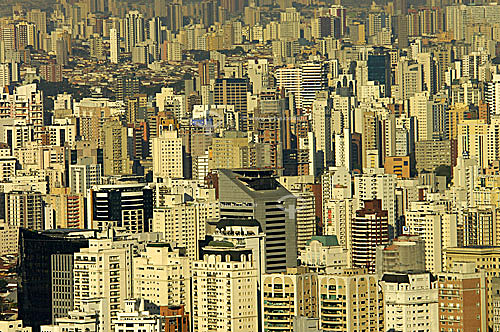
x=35 y=273
x=379 y=69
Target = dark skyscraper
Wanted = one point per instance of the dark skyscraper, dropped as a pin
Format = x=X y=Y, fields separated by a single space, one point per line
x=35 y=272
x=379 y=69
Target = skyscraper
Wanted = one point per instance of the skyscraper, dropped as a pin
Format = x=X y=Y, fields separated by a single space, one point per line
x=114 y=45
x=35 y=272
x=256 y=194
x=134 y=30
x=233 y=91
x=370 y=228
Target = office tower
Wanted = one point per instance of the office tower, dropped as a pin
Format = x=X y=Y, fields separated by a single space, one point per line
x=288 y=294
x=411 y=301
x=104 y=270
x=462 y=298
x=115 y=151
x=340 y=305
x=324 y=254
x=404 y=253
x=313 y=80
x=224 y=287
x=370 y=228
x=83 y=176
x=114 y=45
x=126 y=87
x=431 y=154
x=209 y=71
x=252 y=15
x=129 y=206
x=483 y=259
x=62 y=285
x=321 y=126
x=162 y=276
x=274 y=208
x=379 y=69
x=168 y=155
x=134 y=30
x=35 y=273
x=39 y=18
x=25 y=209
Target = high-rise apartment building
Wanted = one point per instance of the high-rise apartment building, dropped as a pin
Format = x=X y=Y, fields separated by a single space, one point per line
x=350 y=301
x=115 y=150
x=288 y=294
x=168 y=155
x=462 y=298
x=411 y=302
x=370 y=228
x=114 y=45
x=224 y=286
x=162 y=276
x=134 y=30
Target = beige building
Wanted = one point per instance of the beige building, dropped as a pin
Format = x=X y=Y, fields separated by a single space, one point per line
x=285 y=295
x=9 y=236
x=183 y=222
x=229 y=152
x=224 y=290
x=324 y=254
x=67 y=210
x=351 y=301
x=167 y=155
x=162 y=276
x=485 y=259
x=115 y=154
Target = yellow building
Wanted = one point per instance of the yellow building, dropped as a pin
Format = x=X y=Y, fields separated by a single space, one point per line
x=351 y=301
x=287 y=295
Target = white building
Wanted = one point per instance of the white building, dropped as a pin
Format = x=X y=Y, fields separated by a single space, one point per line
x=104 y=270
x=134 y=319
x=162 y=276
x=324 y=254
x=224 y=286
x=411 y=302
x=13 y=326
x=114 y=45
x=167 y=155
